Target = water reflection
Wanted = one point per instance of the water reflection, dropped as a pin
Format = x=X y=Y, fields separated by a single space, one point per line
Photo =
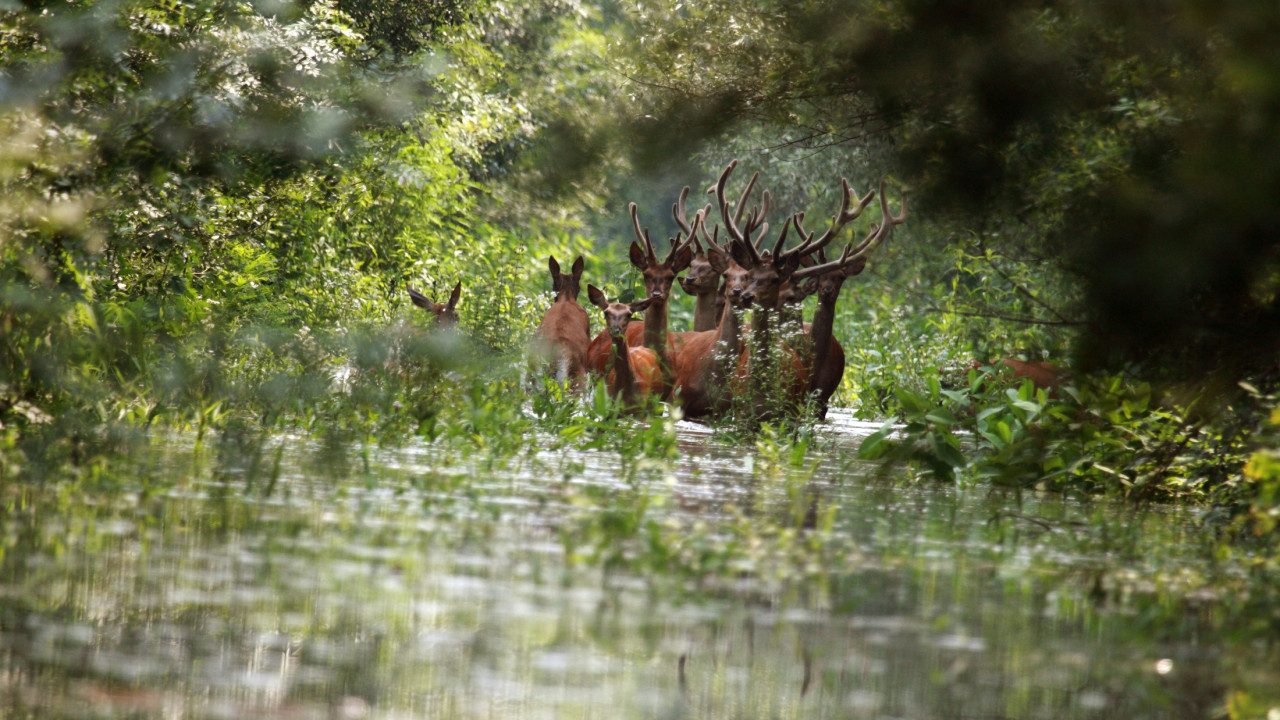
x=438 y=587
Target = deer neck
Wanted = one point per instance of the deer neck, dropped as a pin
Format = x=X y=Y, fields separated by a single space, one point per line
x=623 y=378
x=706 y=311
x=789 y=314
x=728 y=344
x=655 y=328
x=723 y=361
x=762 y=368
x=824 y=319
x=655 y=338
x=761 y=331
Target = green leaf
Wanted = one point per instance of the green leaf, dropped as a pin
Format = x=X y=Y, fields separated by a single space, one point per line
x=910 y=401
x=946 y=451
x=875 y=445
x=1030 y=407
x=1002 y=429
x=989 y=412
x=996 y=441
x=941 y=416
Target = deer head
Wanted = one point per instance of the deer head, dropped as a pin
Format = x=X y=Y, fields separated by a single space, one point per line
x=766 y=271
x=736 y=279
x=565 y=284
x=794 y=293
x=828 y=285
x=709 y=260
x=446 y=314
x=618 y=315
x=658 y=275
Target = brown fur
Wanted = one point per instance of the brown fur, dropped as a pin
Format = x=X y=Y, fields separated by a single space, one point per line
x=445 y=315
x=564 y=334
x=1044 y=375
x=701 y=377
x=633 y=371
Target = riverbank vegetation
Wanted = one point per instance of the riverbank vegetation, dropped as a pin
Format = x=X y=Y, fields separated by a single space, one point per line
x=211 y=212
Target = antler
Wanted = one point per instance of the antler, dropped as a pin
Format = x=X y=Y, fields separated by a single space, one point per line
x=842 y=218
x=714 y=238
x=887 y=223
x=742 y=201
x=642 y=236
x=730 y=225
x=782 y=236
x=852 y=254
x=678 y=213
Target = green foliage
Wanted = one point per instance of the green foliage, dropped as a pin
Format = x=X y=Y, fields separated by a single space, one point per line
x=1108 y=161
x=211 y=214
x=1106 y=435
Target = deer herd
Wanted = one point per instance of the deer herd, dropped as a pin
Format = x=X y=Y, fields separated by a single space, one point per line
x=774 y=364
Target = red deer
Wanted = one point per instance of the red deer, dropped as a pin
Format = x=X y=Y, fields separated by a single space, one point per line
x=766 y=271
x=703 y=280
x=634 y=371
x=1044 y=375
x=658 y=278
x=708 y=361
x=564 y=334
x=828 y=355
x=446 y=314
x=770 y=270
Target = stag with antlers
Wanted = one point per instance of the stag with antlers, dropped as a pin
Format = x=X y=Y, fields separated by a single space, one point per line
x=659 y=275
x=828 y=356
x=769 y=271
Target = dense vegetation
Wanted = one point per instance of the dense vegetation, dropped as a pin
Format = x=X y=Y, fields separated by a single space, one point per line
x=211 y=211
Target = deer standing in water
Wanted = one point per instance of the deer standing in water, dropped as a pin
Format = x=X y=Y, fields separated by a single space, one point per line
x=564 y=334
x=767 y=359
x=707 y=365
x=709 y=264
x=770 y=271
x=445 y=314
x=828 y=355
x=658 y=275
x=634 y=371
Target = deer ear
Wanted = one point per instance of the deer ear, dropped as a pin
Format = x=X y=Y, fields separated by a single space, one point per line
x=740 y=254
x=855 y=267
x=555 y=273
x=577 y=267
x=683 y=258
x=638 y=256
x=418 y=298
x=789 y=264
x=457 y=293
x=718 y=259
x=641 y=305
x=597 y=297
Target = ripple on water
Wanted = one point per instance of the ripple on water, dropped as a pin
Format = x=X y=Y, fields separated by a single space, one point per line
x=433 y=590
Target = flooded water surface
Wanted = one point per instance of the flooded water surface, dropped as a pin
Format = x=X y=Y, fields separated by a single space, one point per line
x=704 y=580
